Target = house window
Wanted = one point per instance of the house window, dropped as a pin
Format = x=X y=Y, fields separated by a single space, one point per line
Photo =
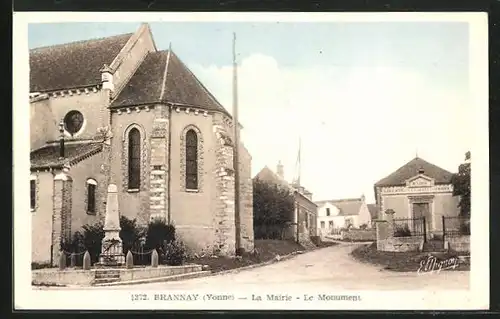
x=91 y=196
x=134 y=159
x=33 y=194
x=330 y=224
x=73 y=122
x=322 y=224
x=191 y=160
x=328 y=212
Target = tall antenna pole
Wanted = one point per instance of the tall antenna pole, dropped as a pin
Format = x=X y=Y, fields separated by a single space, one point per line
x=236 y=162
x=298 y=172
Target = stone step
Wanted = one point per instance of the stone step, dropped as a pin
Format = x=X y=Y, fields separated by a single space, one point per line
x=102 y=281
x=98 y=276
x=185 y=276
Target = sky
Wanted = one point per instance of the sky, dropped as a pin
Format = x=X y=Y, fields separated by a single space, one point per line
x=363 y=98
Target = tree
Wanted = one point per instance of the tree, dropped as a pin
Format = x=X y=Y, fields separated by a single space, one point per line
x=273 y=208
x=461 y=185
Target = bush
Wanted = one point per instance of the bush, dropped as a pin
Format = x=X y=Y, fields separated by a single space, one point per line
x=363 y=226
x=402 y=231
x=175 y=253
x=130 y=233
x=465 y=228
x=92 y=240
x=159 y=233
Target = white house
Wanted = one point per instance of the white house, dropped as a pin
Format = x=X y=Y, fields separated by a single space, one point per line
x=344 y=213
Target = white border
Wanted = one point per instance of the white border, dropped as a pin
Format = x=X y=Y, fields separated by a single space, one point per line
x=476 y=298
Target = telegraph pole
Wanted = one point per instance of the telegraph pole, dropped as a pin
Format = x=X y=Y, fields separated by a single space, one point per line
x=236 y=162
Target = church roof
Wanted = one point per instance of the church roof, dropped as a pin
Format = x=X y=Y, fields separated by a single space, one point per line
x=73 y=65
x=48 y=156
x=411 y=169
x=179 y=84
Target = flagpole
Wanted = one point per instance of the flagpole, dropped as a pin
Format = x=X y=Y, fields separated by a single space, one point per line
x=236 y=162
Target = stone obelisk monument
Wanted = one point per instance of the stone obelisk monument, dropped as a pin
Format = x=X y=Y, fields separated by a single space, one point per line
x=111 y=249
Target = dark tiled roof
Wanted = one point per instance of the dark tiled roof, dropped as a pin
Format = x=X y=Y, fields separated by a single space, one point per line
x=48 y=156
x=373 y=211
x=73 y=65
x=267 y=175
x=146 y=83
x=181 y=85
x=411 y=169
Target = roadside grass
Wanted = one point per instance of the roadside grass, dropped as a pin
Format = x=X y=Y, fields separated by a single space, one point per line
x=405 y=261
x=265 y=250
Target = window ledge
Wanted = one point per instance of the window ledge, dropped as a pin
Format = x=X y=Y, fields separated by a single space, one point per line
x=133 y=190
x=188 y=190
x=32 y=210
x=91 y=213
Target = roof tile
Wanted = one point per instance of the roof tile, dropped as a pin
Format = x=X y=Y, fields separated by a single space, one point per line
x=48 y=156
x=411 y=169
x=73 y=65
x=181 y=85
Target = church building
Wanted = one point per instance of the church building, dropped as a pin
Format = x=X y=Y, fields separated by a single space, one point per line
x=117 y=110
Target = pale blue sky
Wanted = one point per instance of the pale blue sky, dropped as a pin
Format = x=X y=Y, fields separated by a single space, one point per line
x=370 y=93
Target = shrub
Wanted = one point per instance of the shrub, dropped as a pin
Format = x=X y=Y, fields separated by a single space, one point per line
x=465 y=228
x=158 y=234
x=130 y=233
x=363 y=226
x=175 y=253
x=92 y=240
x=402 y=231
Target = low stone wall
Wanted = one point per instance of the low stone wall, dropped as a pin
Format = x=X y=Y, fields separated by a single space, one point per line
x=458 y=243
x=359 y=235
x=79 y=277
x=54 y=276
x=400 y=244
x=161 y=271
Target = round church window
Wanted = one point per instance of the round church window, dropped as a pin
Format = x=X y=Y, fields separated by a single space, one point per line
x=73 y=122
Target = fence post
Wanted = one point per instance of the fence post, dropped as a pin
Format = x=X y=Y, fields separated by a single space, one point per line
x=443 y=226
x=425 y=229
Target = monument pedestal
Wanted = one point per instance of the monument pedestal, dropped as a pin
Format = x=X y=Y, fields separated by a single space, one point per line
x=112 y=249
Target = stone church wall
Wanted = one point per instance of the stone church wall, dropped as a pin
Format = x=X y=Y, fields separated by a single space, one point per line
x=135 y=203
x=42 y=123
x=80 y=173
x=41 y=217
x=192 y=211
x=246 y=200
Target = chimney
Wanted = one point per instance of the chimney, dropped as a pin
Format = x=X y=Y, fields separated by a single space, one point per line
x=363 y=198
x=107 y=78
x=61 y=139
x=280 y=170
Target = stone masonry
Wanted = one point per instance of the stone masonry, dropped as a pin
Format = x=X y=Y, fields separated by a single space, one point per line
x=61 y=216
x=159 y=167
x=224 y=213
x=246 y=201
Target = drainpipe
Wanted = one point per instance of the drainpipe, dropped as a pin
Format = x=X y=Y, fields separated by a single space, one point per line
x=61 y=140
x=169 y=161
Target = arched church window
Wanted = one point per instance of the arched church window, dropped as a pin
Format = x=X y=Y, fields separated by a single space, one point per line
x=73 y=122
x=91 y=196
x=134 y=158
x=191 y=160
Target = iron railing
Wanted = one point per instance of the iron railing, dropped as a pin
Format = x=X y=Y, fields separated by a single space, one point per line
x=455 y=226
x=409 y=227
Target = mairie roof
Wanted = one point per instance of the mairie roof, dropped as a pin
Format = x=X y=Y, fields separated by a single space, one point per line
x=413 y=168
